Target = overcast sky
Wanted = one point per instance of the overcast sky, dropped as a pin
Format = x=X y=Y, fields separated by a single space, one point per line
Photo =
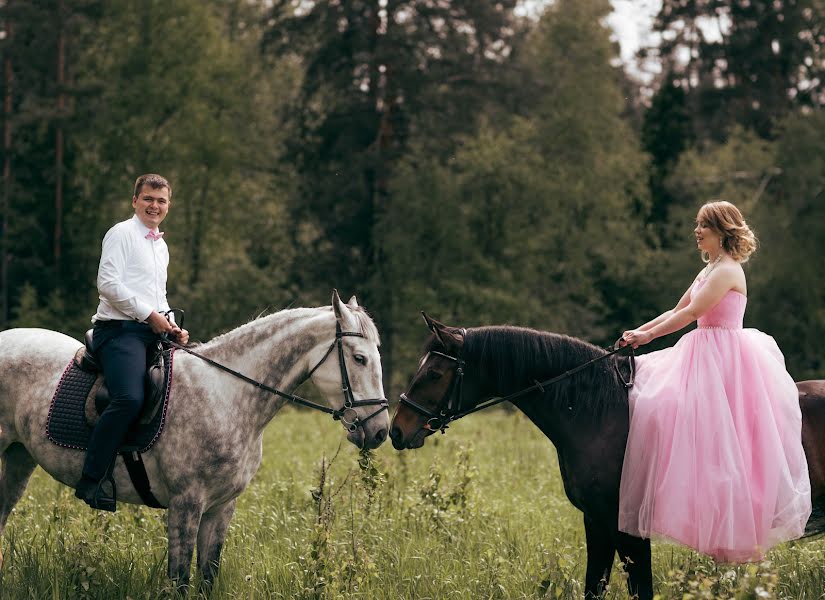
x=632 y=20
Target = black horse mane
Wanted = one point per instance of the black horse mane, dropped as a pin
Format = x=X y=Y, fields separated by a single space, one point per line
x=513 y=358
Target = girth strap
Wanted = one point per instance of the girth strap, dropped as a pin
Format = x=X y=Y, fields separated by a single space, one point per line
x=137 y=473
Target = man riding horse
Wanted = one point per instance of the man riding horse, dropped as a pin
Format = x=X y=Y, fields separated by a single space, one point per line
x=131 y=281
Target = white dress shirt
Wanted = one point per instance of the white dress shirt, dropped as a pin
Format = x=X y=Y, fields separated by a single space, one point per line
x=131 y=279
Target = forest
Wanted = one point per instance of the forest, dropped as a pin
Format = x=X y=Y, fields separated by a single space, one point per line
x=468 y=158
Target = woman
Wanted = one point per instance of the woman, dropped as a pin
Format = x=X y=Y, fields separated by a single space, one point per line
x=714 y=456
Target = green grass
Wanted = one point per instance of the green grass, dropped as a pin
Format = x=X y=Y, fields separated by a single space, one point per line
x=477 y=513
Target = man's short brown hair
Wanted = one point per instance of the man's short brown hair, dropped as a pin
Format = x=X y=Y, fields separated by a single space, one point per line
x=154 y=181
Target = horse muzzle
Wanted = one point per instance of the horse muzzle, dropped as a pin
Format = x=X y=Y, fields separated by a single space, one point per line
x=402 y=442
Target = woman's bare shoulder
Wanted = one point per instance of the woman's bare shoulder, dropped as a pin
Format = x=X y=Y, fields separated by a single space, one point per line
x=734 y=275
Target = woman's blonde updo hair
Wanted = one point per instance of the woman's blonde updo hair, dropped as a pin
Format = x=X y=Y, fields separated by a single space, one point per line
x=725 y=219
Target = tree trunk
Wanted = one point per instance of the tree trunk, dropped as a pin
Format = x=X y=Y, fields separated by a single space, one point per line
x=58 y=151
x=4 y=251
x=378 y=174
x=197 y=232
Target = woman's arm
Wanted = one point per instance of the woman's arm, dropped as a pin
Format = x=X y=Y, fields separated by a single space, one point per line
x=683 y=302
x=718 y=284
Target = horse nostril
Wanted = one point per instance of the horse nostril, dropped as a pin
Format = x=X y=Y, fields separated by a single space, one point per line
x=381 y=435
x=395 y=433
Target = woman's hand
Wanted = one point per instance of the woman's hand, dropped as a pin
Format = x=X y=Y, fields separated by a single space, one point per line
x=636 y=338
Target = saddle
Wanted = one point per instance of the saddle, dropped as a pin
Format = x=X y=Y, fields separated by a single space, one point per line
x=98 y=398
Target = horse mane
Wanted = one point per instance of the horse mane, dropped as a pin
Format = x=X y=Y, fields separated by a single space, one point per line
x=513 y=358
x=366 y=326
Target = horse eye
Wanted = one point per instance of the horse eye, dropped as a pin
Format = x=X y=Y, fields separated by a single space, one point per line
x=360 y=359
x=433 y=374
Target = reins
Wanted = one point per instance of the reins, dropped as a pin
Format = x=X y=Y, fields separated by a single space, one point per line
x=442 y=419
x=338 y=414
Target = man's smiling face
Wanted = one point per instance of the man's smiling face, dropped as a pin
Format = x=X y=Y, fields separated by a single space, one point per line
x=151 y=205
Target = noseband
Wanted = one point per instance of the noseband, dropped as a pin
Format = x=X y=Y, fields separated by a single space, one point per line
x=339 y=414
x=350 y=403
x=452 y=402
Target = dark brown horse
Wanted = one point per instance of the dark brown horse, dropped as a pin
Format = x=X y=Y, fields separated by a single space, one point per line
x=585 y=415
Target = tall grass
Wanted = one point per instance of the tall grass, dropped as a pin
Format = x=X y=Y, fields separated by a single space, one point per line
x=477 y=513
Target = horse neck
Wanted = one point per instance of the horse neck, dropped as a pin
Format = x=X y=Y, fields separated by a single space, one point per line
x=567 y=410
x=509 y=359
x=272 y=349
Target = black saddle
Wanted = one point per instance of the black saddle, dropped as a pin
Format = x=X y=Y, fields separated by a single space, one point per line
x=154 y=381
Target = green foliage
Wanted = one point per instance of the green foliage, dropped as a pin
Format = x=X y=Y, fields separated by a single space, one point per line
x=177 y=88
x=37 y=255
x=666 y=133
x=729 y=64
x=374 y=77
x=537 y=221
x=747 y=63
x=791 y=220
x=48 y=314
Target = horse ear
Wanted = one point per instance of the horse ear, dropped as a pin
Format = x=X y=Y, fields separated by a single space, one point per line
x=353 y=302
x=430 y=322
x=448 y=336
x=342 y=313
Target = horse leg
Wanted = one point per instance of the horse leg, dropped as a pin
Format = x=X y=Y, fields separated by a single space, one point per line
x=211 y=536
x=600 y=551
x=634 y=552
x=182 y=522
x=17 y=467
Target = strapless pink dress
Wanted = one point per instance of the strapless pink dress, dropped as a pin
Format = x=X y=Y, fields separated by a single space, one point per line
x=714 y=456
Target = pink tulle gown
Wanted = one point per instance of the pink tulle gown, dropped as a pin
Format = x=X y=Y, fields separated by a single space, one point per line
x=714 y=457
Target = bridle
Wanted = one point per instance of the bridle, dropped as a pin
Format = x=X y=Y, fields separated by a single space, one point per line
x=350 y=402
x=439 y=419
x=451 y=401
x=340 y=414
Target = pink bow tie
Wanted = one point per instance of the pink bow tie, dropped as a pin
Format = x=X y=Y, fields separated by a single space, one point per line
x=154 y=236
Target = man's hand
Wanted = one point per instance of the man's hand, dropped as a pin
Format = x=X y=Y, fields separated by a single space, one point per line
x=160 y=324
x=181 y=336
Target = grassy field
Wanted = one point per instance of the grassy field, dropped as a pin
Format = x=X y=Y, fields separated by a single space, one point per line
x=477 y=513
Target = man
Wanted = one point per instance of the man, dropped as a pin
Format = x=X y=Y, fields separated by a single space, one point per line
x=131 y=282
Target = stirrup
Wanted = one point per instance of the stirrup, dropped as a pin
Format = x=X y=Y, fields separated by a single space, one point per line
x=96 y=496
x=100 y=500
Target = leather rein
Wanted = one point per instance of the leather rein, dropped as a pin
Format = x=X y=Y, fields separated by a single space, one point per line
x=452 y=401
x=342 y=414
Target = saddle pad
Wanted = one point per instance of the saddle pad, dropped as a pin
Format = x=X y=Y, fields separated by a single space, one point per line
x=67 y=424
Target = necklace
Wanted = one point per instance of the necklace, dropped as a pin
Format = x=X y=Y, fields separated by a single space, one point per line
x=709 y=269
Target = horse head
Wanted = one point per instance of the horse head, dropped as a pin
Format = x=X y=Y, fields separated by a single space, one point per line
x=353 y=383
x=435 y=392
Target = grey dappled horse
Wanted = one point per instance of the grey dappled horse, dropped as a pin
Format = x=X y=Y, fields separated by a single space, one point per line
x=211 y=445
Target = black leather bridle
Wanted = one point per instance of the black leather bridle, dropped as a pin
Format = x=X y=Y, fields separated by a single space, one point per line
x=350 y=402
x=449 y=408
x=340 y=414
x=451 y=402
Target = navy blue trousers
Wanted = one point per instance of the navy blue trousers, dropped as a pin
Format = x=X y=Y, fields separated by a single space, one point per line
x=120 y=347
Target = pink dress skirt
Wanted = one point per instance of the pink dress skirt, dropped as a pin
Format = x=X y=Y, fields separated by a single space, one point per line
x=714 y=456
